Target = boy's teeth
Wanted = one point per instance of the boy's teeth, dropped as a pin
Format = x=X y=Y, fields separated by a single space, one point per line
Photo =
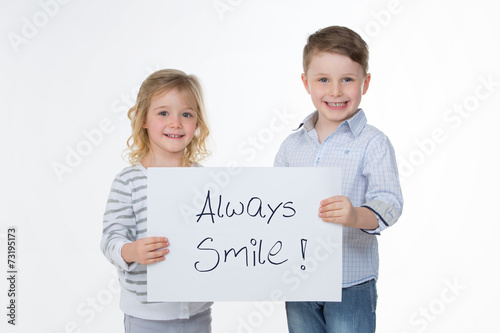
x=337 y=104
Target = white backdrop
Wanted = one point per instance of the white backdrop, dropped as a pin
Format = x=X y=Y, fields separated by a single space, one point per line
x=71 y=69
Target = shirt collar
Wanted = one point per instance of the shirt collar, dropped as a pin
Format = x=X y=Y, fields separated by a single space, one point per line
x=355 y=124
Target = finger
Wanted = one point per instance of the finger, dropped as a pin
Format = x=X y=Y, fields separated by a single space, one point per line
x=332 y=214
x=154 y=243
x=154 y=240
x=154 y=256
x=157 y=253
x=161 y=253
x=156 y=247
x=337 y=207
x=154 y=260
x=335 y=198
x=337 y=220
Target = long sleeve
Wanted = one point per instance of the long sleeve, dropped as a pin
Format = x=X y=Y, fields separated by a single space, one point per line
x=119 y=223
x=383 y=194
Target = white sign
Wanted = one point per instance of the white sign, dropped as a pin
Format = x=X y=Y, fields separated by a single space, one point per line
x=244 y=234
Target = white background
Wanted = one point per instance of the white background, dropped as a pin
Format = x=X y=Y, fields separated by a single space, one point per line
x=68 y=68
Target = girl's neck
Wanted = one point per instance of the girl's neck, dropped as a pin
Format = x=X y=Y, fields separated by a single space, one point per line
x=151 y=161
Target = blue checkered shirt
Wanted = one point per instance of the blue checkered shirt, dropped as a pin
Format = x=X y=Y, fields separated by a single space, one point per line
x=369 y=179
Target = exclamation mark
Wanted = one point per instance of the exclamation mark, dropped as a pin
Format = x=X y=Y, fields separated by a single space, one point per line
x=303 y=243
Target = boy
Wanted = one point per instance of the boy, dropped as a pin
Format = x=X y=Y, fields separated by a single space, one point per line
x=335 y=65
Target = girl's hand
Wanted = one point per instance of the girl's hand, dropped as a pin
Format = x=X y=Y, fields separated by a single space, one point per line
x=145 y=251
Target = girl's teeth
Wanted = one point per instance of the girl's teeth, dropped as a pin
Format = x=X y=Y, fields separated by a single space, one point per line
x=173 y=136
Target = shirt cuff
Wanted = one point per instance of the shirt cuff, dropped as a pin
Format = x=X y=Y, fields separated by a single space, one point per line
x=118 y=259
x=386 y=215
x=381 y=226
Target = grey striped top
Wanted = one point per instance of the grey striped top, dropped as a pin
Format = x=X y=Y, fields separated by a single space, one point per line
x=125 y=220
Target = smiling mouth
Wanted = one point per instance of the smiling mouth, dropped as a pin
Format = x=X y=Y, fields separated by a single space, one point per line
x=173 y=136
x=336 y=105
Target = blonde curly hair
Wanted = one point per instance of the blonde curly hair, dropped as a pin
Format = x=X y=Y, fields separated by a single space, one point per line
x=158 y=83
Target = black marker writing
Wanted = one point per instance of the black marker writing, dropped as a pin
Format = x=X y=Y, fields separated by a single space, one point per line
x=207 y=249
x=254 y=208
x=249 y=256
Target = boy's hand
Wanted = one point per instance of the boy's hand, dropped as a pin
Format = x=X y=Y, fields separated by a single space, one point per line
x=145 y=251
x=339 y=209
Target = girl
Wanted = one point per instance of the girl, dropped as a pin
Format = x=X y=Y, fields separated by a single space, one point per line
x=168 y=130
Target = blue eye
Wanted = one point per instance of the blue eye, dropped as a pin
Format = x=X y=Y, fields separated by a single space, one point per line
x=323 y=80
x=187 y=115
x=347 y=79
x=163 y=113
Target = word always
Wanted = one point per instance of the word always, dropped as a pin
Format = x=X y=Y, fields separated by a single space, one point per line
x=253 y=208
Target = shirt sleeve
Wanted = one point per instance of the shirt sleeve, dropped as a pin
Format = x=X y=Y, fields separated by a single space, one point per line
x=383 y=196
x=118 y=224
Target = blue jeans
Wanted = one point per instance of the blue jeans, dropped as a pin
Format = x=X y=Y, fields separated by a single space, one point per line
x=355 y=314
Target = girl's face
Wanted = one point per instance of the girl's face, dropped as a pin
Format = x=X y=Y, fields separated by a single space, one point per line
x=171 y=125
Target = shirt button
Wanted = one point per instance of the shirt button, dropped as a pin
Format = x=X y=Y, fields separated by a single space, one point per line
x=346 y=152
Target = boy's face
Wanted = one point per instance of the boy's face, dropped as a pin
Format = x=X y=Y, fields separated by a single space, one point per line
x=336 y=84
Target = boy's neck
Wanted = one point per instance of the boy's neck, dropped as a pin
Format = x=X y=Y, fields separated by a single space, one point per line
x=322 y=133
x=324 y=129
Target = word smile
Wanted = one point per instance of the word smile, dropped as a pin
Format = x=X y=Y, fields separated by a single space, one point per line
x=254 y=252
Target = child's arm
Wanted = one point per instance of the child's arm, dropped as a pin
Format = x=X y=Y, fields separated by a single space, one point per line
x=383 y=200
x=119 y=243
x=339 y=209
x=145 y=251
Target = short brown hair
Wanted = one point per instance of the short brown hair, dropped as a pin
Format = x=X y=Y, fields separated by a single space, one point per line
x=336 y=39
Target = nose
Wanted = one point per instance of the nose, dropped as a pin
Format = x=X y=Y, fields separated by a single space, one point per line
x=175 y=121
x=335 y=90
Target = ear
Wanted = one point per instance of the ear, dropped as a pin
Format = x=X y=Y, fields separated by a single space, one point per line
x=305 y=82
x=366 y=83
x=136 y=115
